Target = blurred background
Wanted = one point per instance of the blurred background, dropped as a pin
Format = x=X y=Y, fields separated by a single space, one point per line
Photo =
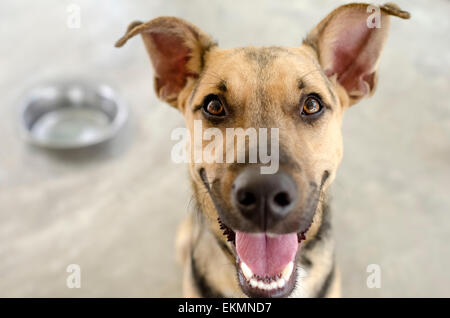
x=114 y=208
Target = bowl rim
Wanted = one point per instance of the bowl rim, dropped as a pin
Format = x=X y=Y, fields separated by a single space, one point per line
x=106 y=91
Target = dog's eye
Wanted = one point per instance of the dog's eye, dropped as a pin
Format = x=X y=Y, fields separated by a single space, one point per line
x=213 y=106
x=312 y=105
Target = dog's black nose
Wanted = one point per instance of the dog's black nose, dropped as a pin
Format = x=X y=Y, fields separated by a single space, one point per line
x=264 y=198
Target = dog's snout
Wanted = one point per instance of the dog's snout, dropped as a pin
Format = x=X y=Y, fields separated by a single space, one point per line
x=264 y=198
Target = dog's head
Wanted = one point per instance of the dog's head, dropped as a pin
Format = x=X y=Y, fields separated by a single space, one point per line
x=302 y=92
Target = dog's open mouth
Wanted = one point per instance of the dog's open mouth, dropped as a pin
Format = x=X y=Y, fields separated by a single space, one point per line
x=265 y=262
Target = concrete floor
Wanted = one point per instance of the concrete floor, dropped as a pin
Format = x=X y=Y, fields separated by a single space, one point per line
x=114 y=209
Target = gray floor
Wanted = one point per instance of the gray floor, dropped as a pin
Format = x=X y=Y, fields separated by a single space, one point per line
x=114 y=209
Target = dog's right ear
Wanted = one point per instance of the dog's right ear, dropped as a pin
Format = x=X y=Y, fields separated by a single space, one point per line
x=348 y=43
x=177 y=50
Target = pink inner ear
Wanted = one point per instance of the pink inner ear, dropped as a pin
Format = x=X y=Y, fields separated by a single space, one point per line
x=353 y=54
x=169 y=60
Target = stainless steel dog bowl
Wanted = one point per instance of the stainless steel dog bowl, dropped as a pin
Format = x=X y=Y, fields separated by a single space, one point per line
x=71 y=114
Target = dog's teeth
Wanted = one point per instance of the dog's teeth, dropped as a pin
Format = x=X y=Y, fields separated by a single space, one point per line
x=262 y=283
x=264 y=286
x=246 y=271
x=281 y=282
x=287 y=271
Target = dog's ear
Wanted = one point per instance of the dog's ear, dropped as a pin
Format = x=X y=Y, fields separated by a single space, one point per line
x=348 y=43
x=176 y=49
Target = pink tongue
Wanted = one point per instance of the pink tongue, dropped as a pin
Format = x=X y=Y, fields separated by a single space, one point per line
x=266 y=256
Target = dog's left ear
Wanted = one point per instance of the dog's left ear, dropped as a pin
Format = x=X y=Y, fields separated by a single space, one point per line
x=176 y=48
x=348 y=43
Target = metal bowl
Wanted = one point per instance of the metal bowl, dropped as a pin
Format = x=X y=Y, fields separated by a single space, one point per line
x=71 y=114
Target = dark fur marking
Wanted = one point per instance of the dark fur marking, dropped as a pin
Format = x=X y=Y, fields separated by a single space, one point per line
x=204 y=178
x=194 y=91
x=201 y=284
x=213 y=188
x=202 y=65
x=205 y=51
x=306 y=218
x=326 y=284
x=263 y=56
x=313 y=201
x=305 y=260
x=222 y=86
x=325 y=176
x=301 y=84
x=323 y=230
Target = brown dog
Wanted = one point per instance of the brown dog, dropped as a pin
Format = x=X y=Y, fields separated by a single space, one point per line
x=266 y=234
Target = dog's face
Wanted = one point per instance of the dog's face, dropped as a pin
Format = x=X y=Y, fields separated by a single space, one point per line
x=264 y=88
x=302 y=92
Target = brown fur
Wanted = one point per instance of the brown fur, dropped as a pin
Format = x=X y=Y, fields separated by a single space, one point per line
x=262 y=88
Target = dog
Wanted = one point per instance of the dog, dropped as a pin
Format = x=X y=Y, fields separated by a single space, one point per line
x=254 y=234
